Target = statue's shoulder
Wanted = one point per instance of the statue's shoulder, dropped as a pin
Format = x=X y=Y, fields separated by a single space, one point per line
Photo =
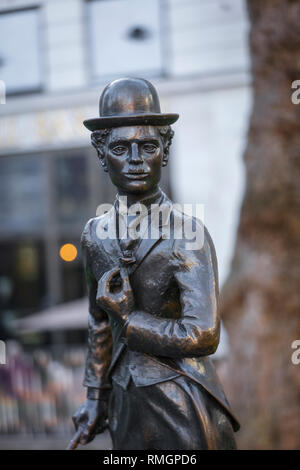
x=179 y=216
x=90 y=230
x=187 y=225
x=192 y=235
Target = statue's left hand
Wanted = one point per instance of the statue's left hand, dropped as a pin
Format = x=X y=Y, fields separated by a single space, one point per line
x=90 y=419
x=114 y=294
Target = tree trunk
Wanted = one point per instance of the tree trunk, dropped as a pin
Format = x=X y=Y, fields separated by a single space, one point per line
x=260 y=300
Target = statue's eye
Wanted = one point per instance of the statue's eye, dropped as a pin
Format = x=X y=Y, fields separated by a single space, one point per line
x=149 y=148
x=119 y=150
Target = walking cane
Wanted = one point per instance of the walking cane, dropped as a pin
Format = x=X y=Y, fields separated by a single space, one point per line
x=75 y=440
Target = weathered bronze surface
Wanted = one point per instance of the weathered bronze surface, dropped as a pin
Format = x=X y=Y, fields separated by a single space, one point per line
x=153 y=318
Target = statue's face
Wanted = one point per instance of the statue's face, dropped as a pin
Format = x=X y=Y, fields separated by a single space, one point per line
x=134 y=158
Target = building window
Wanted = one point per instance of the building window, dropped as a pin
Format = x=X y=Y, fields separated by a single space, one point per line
x=22 y=194
x=71 y=188
x=208 y=38
x=124 y=38
x=20 y=50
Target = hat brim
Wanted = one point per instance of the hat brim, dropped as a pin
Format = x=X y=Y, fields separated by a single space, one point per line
x=137 y=119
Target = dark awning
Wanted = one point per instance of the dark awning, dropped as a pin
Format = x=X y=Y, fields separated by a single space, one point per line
x=67 y=316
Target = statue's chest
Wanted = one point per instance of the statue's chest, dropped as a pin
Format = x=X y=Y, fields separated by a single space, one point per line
x=153 y=282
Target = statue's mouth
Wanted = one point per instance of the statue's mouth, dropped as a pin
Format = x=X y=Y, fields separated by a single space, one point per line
x=136 y=175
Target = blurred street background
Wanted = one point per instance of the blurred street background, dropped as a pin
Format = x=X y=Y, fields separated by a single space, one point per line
x=56 y=56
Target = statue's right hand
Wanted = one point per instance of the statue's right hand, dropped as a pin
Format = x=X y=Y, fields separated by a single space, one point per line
x=91 y=419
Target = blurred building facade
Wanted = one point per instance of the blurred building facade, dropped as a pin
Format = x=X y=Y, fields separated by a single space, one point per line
x=55 y=58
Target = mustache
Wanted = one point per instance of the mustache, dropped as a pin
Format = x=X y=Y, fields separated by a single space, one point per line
x=137 y=171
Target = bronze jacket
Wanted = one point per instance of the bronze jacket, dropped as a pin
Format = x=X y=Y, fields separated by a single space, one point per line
x=175 y=325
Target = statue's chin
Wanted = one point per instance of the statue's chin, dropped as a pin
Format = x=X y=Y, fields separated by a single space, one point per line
x=136 y=187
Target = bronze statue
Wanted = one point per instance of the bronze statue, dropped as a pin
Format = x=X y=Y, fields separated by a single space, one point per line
x=153 y=316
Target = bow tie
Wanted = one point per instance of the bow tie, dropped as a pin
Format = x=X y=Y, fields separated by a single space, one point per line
x=128 y=246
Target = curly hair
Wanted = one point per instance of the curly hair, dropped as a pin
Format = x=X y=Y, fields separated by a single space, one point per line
x=98 y=139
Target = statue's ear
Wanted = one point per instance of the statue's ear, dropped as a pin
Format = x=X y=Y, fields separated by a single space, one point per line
x=101 y=156
x=165 y=157
x=98 y=141
x=167 y=134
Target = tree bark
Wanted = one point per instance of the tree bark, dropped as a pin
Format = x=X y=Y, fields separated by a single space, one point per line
x=260 y=300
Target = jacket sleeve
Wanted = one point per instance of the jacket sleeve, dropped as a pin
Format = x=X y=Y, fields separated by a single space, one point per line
x=196 y=332
x=99 y=331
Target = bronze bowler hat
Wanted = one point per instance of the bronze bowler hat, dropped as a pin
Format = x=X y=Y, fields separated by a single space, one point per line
x=129 y=102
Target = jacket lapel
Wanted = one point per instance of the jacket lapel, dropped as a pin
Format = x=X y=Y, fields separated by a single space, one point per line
x=157 y=234
x=106 y=231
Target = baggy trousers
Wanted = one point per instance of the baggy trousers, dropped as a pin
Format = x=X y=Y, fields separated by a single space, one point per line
x=178 y=414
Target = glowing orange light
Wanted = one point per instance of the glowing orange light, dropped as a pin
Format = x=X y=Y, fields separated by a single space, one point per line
x=68 y=252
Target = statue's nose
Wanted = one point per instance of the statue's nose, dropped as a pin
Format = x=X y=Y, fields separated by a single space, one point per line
x=135 y=156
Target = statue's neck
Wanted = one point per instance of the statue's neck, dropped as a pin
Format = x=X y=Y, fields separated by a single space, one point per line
x=145 y=198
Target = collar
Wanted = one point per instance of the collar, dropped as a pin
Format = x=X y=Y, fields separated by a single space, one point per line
x=121 y=206
x=106 y=229
x=106 y=224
